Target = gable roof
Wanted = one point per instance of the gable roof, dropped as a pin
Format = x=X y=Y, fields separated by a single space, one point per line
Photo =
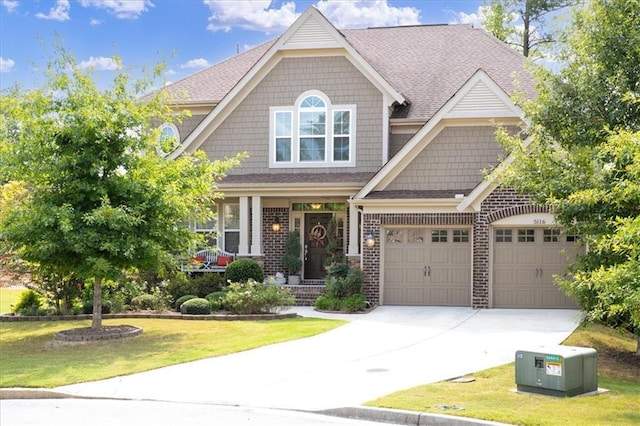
x=479 y=85
x=426 y=64
x=303 y=33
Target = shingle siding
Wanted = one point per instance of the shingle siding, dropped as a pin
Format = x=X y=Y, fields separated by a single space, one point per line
x=247 y=127
x=455 y=159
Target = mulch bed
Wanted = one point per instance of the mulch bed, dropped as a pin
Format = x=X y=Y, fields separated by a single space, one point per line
x=88 y=334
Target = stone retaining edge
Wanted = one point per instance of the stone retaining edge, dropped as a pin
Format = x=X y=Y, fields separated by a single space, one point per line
x=210 y=317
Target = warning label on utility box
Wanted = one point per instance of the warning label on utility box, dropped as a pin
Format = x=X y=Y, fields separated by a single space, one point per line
x=554 y=368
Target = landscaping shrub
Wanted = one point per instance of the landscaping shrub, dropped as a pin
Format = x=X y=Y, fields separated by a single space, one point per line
x=196 y=306
x=338 y=270
x=255 y=298
x=146 y=302
x=343 y=291
x=325 y=302
x=28 y=304
x=178 y=284
x=207 y=283
x=353 y=303
x=347 y=285
x=243 y=270
x=216 y=299
x=107 y=307
x=183 y=299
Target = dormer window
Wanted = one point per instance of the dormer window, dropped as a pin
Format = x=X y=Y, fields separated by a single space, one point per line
x=312 y=133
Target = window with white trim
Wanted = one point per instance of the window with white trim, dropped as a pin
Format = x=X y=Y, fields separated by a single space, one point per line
x=312 y=133
x=231 y=227
x=168 y=139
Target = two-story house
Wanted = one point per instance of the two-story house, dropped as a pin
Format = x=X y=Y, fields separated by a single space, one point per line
x=391 y=131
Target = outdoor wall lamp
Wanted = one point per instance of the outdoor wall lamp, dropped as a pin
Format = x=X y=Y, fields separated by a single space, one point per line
x=275 y=226
x=371 y=240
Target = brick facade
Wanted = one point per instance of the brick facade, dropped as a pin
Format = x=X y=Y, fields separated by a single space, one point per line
x=498 y=205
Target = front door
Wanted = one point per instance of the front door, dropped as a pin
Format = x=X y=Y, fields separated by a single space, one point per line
x=315 y=241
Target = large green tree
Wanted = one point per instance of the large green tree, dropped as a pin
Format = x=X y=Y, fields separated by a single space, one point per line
x=582 y=156
x=85 y=191
x=523 y=23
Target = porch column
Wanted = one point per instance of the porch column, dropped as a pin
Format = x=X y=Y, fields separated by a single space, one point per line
x=355 y=239
x=243 y=247
x=256 y=226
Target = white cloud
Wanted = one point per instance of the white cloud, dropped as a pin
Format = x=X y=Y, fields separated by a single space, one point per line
x=60 y=12
x=6 y=65
x=250 y=15
x=99 y=63
x=196 y=63
x=169 y=73
x=10 y=5
x=94 y=22
x=123 y=9
x=476 y=19
x=363 y=13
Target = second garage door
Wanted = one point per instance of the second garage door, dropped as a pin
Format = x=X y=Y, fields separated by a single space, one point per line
x=525 y=261
x=427 y=266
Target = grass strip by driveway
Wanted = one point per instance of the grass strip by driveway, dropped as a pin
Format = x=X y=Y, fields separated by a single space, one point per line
x=30 y=358
x=491 y=396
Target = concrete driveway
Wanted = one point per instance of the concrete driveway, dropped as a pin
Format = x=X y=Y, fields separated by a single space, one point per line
x=389 y=349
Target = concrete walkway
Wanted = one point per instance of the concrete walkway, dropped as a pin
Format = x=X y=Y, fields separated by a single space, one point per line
x=389 y=349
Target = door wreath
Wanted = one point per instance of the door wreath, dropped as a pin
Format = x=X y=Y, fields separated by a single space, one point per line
x=317 y=235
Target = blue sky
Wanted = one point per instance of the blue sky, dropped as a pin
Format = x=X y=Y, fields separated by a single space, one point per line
x=186 y=34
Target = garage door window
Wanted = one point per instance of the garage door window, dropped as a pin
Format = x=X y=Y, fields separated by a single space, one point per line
x=551 y=236
x=460 y=235
x=526 y=235
x=504 y=235
x=439 y=236
x=394 y=236
x=415 y=236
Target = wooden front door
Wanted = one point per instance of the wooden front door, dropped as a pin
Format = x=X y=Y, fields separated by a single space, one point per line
x=315 y=242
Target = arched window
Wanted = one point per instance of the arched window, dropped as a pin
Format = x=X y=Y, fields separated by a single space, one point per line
x=312 y=129
x=312 y=132
x=169 y=138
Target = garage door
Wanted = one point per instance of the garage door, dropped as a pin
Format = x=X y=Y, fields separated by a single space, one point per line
x=524 y=263
x=426 y=266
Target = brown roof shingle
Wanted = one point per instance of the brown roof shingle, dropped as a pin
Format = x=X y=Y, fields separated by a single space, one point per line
x=426 y=63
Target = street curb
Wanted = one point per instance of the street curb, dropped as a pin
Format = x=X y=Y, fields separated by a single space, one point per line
x=405 y=417
x=32 y=393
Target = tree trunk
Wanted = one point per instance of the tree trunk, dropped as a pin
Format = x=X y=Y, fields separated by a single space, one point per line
x=526 y=36
x=96 y=324
x=638 y=345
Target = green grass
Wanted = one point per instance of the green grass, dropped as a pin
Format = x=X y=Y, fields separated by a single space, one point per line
x=8 y=298
x=491 y=396
x=30 y=358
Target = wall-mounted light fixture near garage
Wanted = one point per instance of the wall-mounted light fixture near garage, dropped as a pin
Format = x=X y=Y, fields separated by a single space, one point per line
x=275 y=226
x=371 y=240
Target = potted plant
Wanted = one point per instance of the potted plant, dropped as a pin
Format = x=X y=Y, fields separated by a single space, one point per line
x=292 y=261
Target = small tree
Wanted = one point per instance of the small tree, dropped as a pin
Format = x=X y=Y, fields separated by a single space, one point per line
x=87 y=193
x=292 y=250
x=582 y=157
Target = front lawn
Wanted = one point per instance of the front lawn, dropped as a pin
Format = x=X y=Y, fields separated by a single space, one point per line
x=491 y=396
x=30 y=358
x=8 y=298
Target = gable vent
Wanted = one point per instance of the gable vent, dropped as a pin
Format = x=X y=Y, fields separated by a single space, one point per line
x=311 y=32
x=480 y=98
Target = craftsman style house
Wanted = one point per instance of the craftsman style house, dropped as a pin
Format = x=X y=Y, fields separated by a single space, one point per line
x=391 y=132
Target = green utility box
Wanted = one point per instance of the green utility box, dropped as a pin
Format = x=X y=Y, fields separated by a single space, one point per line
x=557 y=370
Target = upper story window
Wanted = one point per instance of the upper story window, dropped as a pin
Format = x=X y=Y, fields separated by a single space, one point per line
x=312 y=133
x=169 y=138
